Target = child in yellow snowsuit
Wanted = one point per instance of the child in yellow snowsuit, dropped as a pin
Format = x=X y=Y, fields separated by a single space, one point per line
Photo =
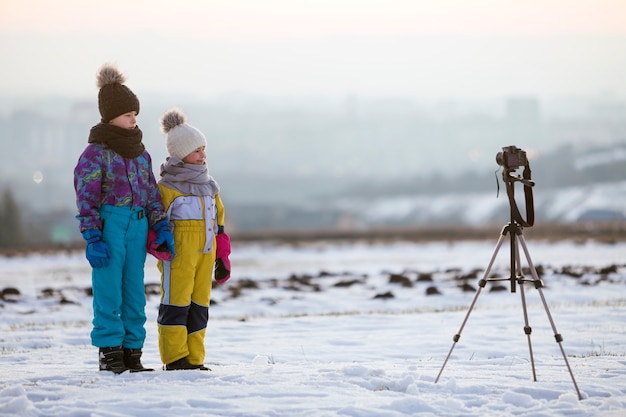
x=196 y=214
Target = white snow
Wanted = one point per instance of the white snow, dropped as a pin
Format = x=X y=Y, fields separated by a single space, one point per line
x=299 y=345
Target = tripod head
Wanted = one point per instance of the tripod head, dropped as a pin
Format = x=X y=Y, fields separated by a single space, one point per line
x=511 y=158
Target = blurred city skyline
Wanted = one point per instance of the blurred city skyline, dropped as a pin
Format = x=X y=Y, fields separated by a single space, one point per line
x=421 y=49
x=359 y=164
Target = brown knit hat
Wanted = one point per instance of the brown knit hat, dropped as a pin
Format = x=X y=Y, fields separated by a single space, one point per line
x=114 y=98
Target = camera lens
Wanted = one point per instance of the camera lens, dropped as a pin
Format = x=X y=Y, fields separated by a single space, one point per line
x=499 y=158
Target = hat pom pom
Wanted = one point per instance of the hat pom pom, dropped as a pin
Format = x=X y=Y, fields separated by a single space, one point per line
x=109 y=74
x=171 y=119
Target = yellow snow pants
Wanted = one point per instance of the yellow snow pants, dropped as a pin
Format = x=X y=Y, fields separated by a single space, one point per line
x=185 y=295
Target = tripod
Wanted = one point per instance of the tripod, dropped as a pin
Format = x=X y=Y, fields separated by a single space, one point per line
x=514 y=229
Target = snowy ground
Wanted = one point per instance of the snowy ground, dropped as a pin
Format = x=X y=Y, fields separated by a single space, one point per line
x=320 y=330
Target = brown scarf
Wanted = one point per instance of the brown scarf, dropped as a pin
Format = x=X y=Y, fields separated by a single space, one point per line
x=125 y=142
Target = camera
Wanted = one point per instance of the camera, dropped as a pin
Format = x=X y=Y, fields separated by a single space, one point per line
x=511 y=157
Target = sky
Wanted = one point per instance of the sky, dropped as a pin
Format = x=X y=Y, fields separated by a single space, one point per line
x=442 y=49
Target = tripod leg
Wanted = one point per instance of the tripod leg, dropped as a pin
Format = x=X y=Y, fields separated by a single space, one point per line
x=557 y=336
x=481 y=285
x=527 y=329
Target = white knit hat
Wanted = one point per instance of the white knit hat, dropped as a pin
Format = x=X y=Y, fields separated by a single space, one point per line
x=182 y=139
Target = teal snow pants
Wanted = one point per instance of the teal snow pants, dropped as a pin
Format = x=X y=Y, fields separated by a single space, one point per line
x=119 y=298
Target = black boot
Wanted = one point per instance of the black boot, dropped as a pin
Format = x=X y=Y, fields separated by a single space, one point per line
x=132 y=360
x=183 y=364
x=112 y=359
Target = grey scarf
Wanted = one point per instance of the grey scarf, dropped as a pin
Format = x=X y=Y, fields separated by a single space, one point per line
x=188 y=178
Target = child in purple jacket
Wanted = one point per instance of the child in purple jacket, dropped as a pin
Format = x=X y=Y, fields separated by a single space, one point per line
x=118 y=200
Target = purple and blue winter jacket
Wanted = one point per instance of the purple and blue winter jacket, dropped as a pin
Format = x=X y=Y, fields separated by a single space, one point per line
x=104 y=177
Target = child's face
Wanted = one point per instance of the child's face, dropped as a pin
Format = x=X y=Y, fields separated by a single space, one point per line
x=126 y=120
x=197 y=157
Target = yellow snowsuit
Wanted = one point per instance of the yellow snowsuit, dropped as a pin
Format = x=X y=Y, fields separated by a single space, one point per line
x=186 y=280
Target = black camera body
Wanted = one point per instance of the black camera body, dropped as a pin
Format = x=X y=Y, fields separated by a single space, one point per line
x=511 y=157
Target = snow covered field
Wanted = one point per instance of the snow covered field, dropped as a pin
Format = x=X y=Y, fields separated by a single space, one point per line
x=336 y=329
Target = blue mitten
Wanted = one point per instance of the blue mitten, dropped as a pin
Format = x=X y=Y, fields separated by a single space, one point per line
x=97 y=251
x=164 y=235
